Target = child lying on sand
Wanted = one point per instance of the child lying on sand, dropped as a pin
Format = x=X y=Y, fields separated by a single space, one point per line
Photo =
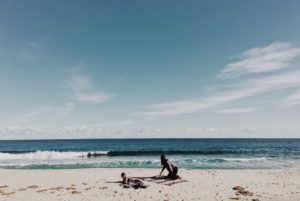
x=129 y=182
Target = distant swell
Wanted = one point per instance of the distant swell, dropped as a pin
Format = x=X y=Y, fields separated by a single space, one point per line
x=73 y=154
x=155 y=153
x=45 y=155
x=50 y=154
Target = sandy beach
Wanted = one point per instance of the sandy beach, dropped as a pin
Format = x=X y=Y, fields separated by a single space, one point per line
x=102 y=184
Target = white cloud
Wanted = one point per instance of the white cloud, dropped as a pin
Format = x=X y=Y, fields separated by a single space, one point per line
x=236 y=110
x=32 y=50
x=84 y=91
x=41 y=116
x=247 y=88
x=293 y=99
x=51 y=113
x=106 y=130
x=27 y=55
x=256 y=60
x=126 y=131
x=262 y=59
x=174 y=108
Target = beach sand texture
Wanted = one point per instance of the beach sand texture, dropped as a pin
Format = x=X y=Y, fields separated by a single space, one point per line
x=101 y=184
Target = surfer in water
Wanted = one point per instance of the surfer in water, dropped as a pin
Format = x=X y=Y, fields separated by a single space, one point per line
x=172 y=169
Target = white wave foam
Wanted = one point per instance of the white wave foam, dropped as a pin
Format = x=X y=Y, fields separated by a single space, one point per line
x=46 y=155
x=244 y=159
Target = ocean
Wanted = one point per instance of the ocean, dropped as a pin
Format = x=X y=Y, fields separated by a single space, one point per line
x=145 y=153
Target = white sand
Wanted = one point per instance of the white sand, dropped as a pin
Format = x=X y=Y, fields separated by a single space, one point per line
x=98 y=184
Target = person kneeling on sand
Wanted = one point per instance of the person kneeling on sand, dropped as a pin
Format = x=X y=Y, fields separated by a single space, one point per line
x=129 y=182
x=172 y=169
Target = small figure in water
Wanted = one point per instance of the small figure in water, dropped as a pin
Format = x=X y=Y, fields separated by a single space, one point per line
x=129 y=182
x=95 y=154
x=172 y=169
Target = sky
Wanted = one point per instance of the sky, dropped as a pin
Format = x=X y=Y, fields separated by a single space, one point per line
x=149 y=69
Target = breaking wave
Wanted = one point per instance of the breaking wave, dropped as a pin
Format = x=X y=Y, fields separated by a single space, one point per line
x=47 y=155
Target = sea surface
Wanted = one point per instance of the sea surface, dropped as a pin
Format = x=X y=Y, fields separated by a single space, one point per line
x=145 y=153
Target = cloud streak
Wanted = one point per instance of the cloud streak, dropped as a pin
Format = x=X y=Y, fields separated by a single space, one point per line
x=84 y=91
x=107 y=130
x=236 y=110
x=41 y=115
x=293 y=99
x=247 y=89
x=51 y=113
x=257 y=60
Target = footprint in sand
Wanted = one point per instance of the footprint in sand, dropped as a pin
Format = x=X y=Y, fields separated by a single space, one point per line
x=10 y=193
x=40 y=191
x=241 y=191
x=218 y=197
x=71 y=188
x=59 y=188
x=32 y=186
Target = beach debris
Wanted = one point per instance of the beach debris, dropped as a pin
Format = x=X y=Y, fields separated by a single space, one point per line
x=32 y=186
x=75 y=192
x=42 y=190
x=241 y=191
x=234 y=198
x=84 y=183
x=22 y=189
x=71 y=188
x=4 y=186
x=104 y=187
x=60 y=194
x=238 y=188
x=89 y=188
x=245 y=193
x=59 y=188
x=10 y=193
x=4 y=193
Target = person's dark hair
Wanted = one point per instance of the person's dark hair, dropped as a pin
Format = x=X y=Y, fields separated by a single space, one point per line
x=163 y=159
x=122 y=174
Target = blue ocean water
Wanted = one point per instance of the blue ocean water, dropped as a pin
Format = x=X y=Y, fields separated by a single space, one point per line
x=137 y=153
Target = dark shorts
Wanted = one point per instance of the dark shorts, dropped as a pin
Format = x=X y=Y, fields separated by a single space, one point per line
x=173 y=175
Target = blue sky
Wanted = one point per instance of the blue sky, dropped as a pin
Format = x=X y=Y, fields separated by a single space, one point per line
x=111 y=69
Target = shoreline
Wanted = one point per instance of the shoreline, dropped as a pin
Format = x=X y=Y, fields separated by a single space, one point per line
x=101 y=184
x=153 y=168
